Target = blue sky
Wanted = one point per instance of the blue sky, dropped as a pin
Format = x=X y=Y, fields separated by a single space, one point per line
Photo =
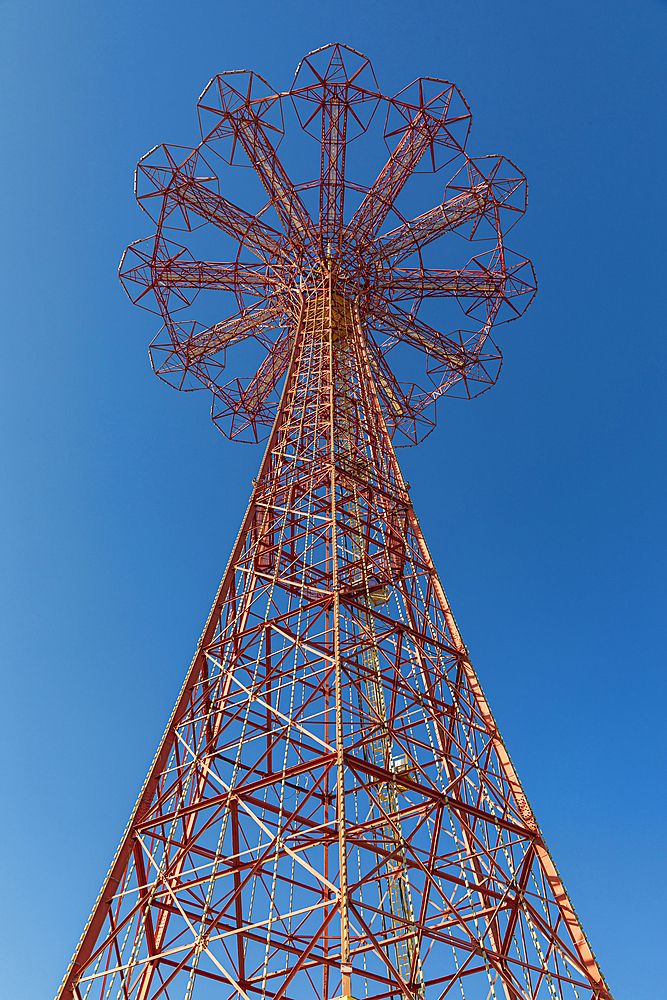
x=542 y=501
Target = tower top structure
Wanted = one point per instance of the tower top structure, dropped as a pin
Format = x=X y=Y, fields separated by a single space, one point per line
x=360 y=238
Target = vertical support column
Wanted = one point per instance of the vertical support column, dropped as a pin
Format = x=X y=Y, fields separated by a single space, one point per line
x=345 y=969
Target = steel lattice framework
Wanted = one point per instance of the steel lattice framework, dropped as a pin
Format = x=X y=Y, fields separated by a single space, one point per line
x=332 y=810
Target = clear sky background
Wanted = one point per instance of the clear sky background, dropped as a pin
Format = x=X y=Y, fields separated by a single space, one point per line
x=542 y=501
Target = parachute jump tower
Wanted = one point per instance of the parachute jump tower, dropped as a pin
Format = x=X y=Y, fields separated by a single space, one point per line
x=332 y=811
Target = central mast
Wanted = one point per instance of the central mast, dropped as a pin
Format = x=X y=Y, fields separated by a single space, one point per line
x=328 y=517
x=363 y=493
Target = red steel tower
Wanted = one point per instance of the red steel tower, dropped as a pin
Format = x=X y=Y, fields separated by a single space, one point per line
x=332 y=811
